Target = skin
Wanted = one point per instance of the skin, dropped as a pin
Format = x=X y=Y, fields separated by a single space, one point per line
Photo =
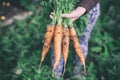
x=74 y=15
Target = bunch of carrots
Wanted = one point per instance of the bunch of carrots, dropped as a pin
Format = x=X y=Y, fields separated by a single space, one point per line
x=60 y=32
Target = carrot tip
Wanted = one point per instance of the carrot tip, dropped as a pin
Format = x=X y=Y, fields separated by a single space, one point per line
x=40 y=64
x=53 y=73
x=85 y=72
x=64 y=70
x=84 y=68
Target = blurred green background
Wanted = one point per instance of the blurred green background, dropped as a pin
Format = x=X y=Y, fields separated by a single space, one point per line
x=21 y=42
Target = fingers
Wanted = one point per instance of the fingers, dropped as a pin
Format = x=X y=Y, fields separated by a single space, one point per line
x=51 y=15
x=66 y=15
x=62 y=15
x=71 y=15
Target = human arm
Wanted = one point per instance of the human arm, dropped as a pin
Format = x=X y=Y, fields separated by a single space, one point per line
x=82 y=7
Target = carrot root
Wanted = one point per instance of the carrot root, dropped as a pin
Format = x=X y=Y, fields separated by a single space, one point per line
x=47 y=41
x=57 y=45
x=64 y=70
x=40 y=64
x=65 y=46
x=76 y=45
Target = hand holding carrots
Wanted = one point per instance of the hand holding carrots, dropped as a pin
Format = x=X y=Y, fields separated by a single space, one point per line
x=74 y=15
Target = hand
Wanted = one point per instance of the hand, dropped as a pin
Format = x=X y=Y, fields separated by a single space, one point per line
x=74 y=15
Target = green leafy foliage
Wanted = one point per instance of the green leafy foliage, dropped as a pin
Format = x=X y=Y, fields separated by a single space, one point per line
x=21 y=44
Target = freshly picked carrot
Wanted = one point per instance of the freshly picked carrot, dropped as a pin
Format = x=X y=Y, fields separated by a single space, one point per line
x=76 y=45
x=57 y=44
x=48 y=38
x=66 y=36
x=57 y=34
x=73 y=34
x=47 y=41
x=65 y=45
x=55 y=31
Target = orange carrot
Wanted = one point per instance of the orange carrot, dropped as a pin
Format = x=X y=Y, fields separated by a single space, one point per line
x=47 y=41
x=65 y=45
x=57 y=45
x=76 y=44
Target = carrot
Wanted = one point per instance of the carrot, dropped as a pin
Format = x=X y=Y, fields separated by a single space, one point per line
x=57 y=45
x=76 y=45
x=57 y=34
x=65 y=45
x=47 y=41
